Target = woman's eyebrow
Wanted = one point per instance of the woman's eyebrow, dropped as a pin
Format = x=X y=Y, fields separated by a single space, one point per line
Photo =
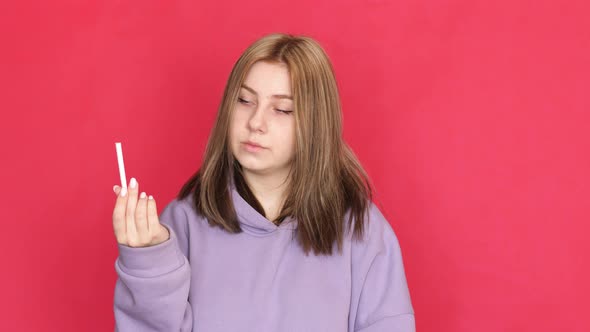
x=273 y=96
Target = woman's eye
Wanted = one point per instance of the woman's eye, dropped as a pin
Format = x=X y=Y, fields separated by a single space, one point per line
x=243 y=101
x=284 y=111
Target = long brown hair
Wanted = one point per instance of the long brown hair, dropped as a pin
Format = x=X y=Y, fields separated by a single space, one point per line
x=327 y=181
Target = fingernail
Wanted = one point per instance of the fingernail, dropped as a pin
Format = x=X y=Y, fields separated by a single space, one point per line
x=123 y=192
x=133 y=183
x=151 y=197
x=142 y=195
x=115 y=188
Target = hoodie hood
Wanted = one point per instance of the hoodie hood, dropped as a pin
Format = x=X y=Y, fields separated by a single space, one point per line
x=251 y=221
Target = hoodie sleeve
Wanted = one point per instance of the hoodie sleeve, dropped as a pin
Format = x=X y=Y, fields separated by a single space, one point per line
x=151 y=292
x=380 y=296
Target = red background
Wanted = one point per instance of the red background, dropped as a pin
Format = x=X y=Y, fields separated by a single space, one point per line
x=471 y=117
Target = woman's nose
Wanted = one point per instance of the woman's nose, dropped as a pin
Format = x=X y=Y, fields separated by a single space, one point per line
x=257 y=121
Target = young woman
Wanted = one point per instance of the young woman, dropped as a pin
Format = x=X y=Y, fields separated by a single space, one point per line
x=276 y=231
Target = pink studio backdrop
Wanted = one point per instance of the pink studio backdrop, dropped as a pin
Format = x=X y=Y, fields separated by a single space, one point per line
x=471 y=117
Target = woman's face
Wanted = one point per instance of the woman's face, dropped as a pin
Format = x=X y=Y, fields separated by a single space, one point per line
x=262 y=130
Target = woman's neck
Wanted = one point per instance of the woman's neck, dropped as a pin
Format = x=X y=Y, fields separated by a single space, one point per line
x=269 y=190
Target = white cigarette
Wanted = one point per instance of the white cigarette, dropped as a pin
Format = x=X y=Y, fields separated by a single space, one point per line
x=121 y=164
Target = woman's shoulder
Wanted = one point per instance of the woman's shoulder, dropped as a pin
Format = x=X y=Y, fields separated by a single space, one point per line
x=180 y=212
x=377 y=234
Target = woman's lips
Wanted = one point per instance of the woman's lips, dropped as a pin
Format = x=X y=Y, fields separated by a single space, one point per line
x=252 y=143
x=252 y=147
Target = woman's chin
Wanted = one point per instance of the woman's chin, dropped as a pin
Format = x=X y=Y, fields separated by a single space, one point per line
x=252 y=166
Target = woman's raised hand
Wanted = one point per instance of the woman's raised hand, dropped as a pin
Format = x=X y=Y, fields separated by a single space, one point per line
x=135 y=218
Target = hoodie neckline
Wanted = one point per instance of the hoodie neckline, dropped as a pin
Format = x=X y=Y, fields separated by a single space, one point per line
x=251 y=221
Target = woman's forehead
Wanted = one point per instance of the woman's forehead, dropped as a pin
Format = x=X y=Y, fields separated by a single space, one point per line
x=268 y=80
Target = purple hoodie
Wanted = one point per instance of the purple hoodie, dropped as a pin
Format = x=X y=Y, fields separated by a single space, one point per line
x=206 y=279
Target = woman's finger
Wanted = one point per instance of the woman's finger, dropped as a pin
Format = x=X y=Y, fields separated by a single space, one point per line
x=130 y=213
x=160 y=233
x=152 y=215
x=141 y=220
x=119 y=219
